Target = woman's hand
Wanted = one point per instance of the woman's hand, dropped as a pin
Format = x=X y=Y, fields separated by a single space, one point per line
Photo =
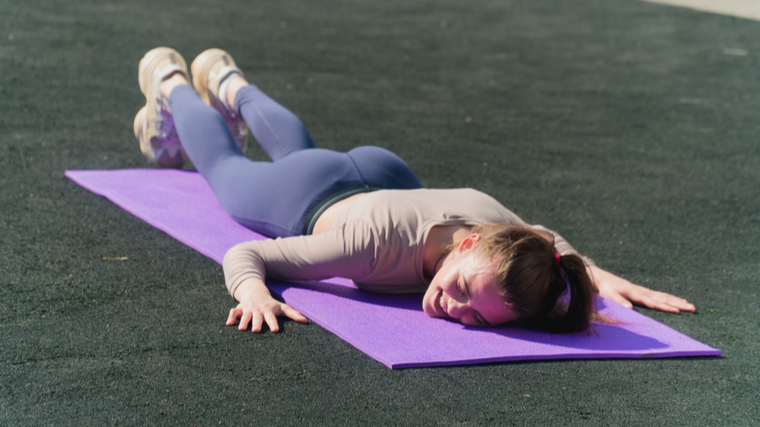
x=257 y=306
x=626 y=293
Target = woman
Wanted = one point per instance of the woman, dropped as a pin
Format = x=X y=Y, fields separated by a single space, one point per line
x=362 y=215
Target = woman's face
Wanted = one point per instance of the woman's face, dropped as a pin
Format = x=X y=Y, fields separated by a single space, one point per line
x=465 y=289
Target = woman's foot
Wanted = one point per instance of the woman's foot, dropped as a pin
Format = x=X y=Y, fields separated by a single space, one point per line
x=214 y=69
x=160 y=70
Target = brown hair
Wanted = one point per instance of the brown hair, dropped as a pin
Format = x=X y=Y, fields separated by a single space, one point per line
x=531 y=283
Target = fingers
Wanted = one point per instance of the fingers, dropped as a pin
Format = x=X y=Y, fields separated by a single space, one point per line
x=620 y=300
x=257 y=320
x=660 y=301
x=245 y=318
x=293 y=314
x=689 y=307
x=272 y=322
x=234 y=314
x=247 y=315
x=627 y=293
x=679 y=303
x=257 y=316
x=667 y=308
x=657 y=304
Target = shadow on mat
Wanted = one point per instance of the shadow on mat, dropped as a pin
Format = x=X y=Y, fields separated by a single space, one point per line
x=611 y=338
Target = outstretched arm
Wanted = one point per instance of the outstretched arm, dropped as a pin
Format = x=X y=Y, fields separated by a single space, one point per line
x=626 y=293
x=314 y=257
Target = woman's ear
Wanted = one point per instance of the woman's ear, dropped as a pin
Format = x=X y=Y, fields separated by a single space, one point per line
x=467 y=243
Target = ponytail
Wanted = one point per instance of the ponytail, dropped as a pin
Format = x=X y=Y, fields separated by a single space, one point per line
x=574 y=315
x=533 y=277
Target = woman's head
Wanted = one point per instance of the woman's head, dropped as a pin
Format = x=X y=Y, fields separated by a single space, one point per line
x=465 y=289
x=506 y=272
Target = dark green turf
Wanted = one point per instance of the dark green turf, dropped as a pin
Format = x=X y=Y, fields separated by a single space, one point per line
x=626 y=126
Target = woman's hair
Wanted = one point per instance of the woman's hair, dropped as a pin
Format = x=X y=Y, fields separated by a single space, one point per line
x=532 y=283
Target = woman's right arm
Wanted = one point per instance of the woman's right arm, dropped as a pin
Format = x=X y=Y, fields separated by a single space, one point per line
x=244 y=273
x=346 y=252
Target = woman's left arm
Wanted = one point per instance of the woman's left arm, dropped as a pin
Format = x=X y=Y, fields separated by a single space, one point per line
x=626 y=293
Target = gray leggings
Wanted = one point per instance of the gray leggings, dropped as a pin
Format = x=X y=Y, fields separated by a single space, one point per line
x=275 y=198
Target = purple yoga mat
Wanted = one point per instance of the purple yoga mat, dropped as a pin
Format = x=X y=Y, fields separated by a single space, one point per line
x=391 y=329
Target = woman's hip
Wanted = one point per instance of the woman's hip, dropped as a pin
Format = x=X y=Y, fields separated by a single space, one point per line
x=275 y=199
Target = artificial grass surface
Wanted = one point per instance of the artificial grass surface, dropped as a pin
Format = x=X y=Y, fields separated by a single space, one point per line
x=631 y=128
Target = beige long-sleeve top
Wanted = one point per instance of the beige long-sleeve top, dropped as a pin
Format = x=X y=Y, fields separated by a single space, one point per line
x=376 y=241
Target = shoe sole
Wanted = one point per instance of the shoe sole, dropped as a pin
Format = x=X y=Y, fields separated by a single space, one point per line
x=148 y=113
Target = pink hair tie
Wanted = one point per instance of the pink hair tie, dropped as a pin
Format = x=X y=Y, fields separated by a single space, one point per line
x=556 y=260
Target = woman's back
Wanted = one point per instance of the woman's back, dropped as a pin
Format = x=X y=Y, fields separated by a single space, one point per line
x=377 y=240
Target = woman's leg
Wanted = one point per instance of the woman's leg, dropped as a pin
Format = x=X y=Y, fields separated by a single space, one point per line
x=274 y=198
x=239 y=184
x=270 y=198
x=218 y=80
x=281 y=133
x=277 y=129
x=203 y=133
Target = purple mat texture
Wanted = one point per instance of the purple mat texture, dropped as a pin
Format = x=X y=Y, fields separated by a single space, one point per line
x=391 y=329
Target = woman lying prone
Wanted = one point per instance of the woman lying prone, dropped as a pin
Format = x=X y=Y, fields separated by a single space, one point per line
x=362 y=215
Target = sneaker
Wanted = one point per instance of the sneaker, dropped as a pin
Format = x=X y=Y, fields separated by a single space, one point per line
x=209 y=70
x=154 y=125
